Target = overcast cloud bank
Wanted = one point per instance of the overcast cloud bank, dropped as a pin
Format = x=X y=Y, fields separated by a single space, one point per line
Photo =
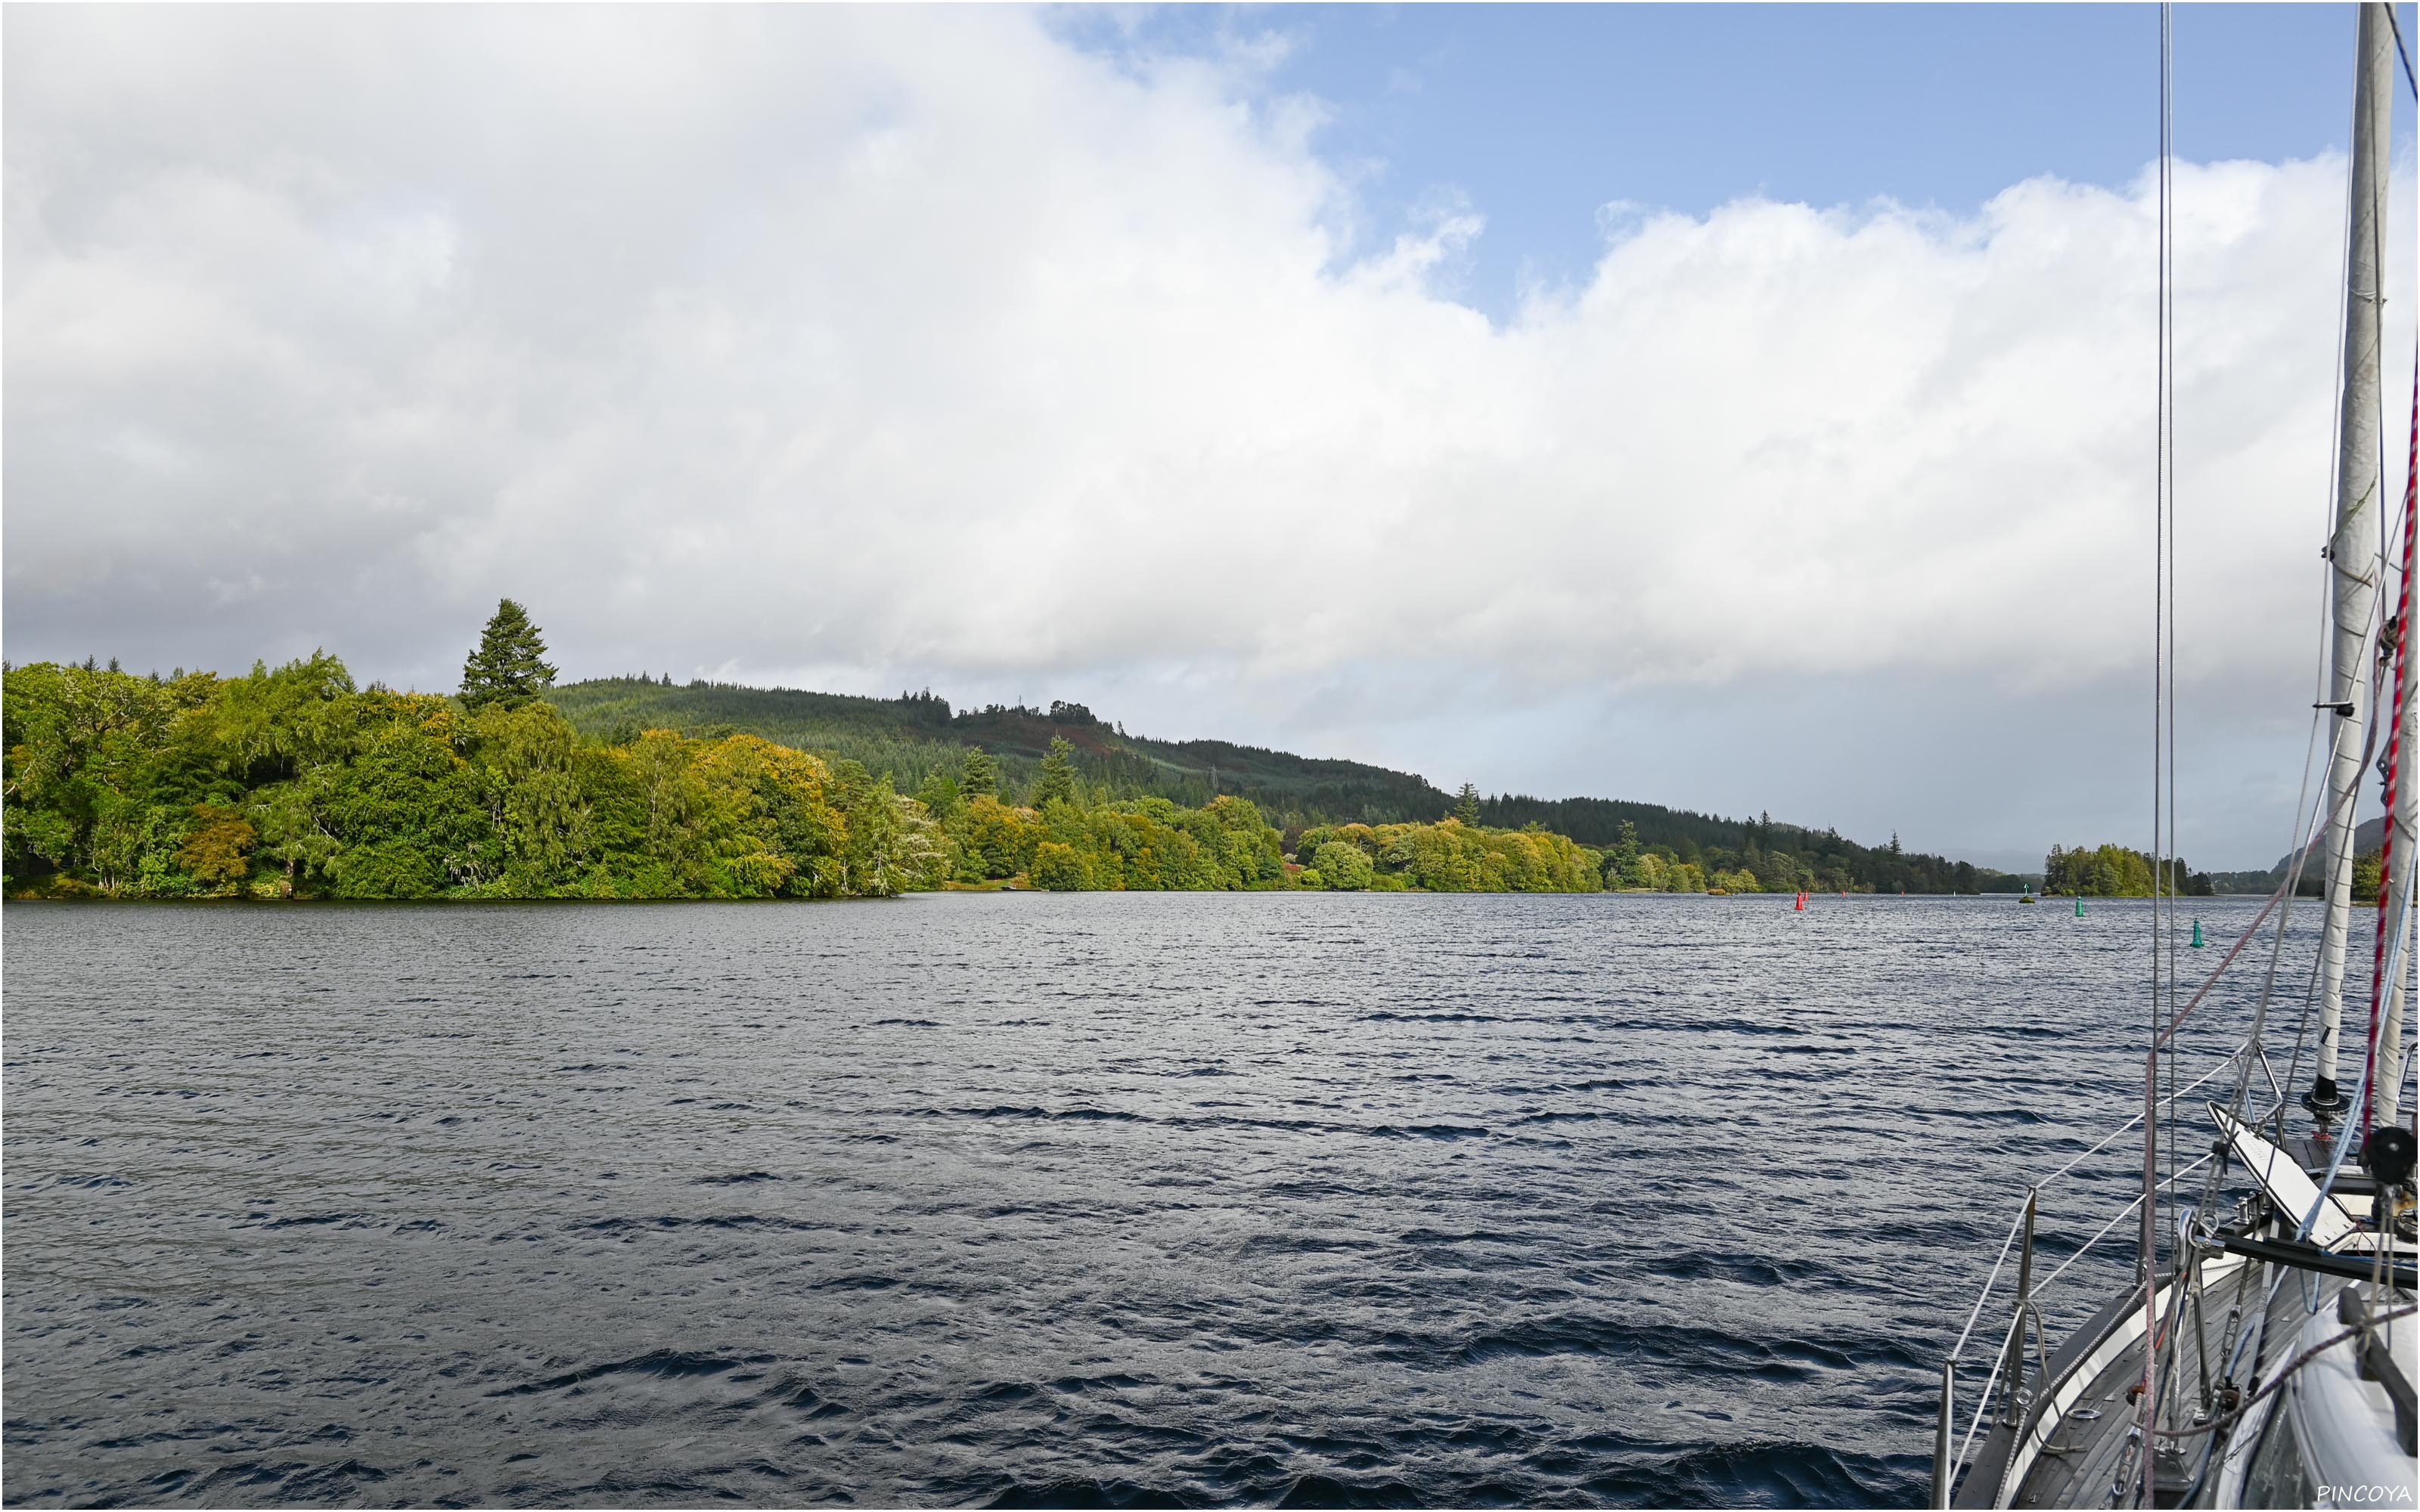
x=876 y=349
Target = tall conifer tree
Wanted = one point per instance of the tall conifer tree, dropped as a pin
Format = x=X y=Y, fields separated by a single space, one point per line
x=1058 y=778
x=979 y=776
x=509 y=666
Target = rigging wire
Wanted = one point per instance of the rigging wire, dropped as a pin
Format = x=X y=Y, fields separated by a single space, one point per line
x=2299 y=857
x=2310 y=1000
x=2168 y=461
x=2148 y=1403
x=2396 y=27
x=2250 y=1053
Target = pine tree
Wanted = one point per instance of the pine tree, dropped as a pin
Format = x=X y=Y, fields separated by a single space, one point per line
x=1058 y=778
x=939 y=793
x=980 y=776
x=1465 y=808
x=509 y=666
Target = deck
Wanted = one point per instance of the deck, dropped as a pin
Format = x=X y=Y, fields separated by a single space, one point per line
x=2083 y=1448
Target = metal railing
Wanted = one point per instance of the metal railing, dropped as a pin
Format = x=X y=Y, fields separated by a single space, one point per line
x=2009 y=1357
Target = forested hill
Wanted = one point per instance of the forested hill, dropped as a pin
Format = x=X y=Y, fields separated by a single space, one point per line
x=1821 y=853
x=2367 y=838
x=916 y=735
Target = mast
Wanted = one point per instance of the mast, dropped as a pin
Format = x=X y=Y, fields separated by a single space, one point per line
x=2352 y=553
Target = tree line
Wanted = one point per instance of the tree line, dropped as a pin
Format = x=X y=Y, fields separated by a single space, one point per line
x=2119 y=872
x=918 y=734
x=1784 y=857
x=294 y=781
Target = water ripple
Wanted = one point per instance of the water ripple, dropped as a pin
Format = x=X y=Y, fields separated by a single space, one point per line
x=1019 y=1200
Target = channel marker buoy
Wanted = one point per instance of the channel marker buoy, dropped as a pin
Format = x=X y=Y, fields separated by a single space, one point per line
x=2079 y=906
x=2197 y=939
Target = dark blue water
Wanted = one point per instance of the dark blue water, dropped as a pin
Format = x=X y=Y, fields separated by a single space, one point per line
x=1022 y=1199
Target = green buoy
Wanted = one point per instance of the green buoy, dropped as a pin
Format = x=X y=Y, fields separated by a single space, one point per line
x=2197 y=941
x=2079 y=906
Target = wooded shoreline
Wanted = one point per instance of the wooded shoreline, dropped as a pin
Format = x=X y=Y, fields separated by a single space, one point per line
x=295 y=782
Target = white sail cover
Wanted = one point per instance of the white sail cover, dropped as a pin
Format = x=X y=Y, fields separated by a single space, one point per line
x=2287 y=1184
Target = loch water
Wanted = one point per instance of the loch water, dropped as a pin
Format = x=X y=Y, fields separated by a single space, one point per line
x=1041 y=1199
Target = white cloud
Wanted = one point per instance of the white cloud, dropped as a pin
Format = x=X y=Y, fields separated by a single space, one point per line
x=918 y=342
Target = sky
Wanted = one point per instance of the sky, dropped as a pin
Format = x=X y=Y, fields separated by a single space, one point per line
x=1536 y=116
x=1740 y=408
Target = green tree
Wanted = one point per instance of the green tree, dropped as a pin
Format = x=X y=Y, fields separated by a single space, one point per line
x=1622 y=862
x=408 y=814
x=291 y=832
x=789 y=800
x=509 y=667
x=887 y=848
x=1057 y=782
x=1777 y=872
x=1344 y=866
x=939 y=793
x=2366 y=869
x=681 y=817
x=978 y=774
x=1060 y=869
x=528 y=780
x=1465 y=806
x=215 y=851
x=998 y=840
x=2107 y=872
x=276 y=724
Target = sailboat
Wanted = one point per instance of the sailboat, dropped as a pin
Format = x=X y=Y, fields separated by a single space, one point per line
x=2264 y=1353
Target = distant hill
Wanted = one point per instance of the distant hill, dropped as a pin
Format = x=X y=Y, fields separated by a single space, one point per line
x=2367 y=837
x=915 y=734
x=911 y=735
